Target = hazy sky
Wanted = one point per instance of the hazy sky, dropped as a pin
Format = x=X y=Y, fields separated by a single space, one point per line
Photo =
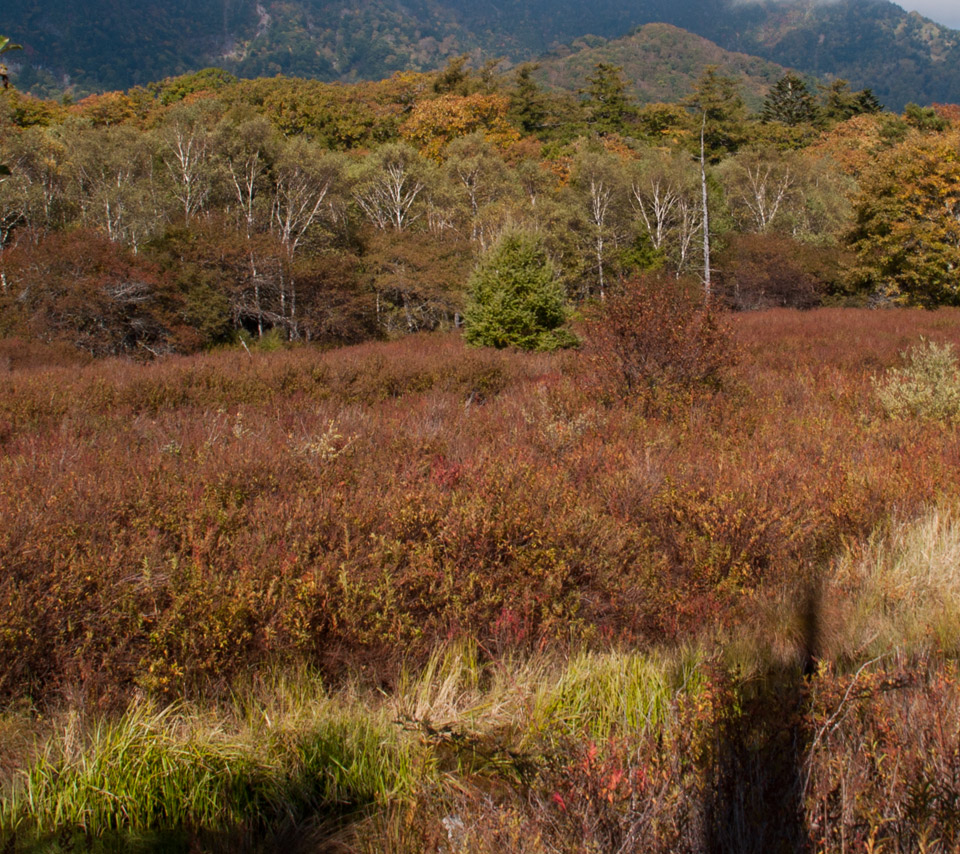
x=942 y=11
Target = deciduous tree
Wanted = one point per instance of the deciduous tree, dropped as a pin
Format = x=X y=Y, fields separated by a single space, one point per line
x=434 y=123
x=907 y=223
x=388 y=186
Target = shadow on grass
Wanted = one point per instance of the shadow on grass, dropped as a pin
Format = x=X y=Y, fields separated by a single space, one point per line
x=754 y=801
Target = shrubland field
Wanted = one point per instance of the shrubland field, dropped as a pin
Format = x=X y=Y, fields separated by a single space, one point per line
x=408 y=596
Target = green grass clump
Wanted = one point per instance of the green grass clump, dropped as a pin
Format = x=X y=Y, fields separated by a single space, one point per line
x=133 y=773
x=159 y=770
x=606 y=694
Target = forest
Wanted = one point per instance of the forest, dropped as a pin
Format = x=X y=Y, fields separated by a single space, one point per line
x=378 y=474
x=177 y=217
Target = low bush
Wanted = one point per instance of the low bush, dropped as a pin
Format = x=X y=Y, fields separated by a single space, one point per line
x=169 y=526
x=654 y=337
x=927 y=386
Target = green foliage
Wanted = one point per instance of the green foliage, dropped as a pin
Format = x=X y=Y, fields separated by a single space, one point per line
x=527 y=102
x=177 y=88
x=515 y=299
x=927 y=386
x=606 y=104
x=789 y=102
x=161 y=771
x=6 y=45
x=454 y=79
x=924 y=118
x=840 y=103
x=717 y=103
x=641 y=256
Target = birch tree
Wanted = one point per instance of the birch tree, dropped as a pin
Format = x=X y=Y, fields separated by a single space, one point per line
x=667 y=208
x=113 y=174
x=389 y=185
x=759 y=186
x=600 y=182
x=187 y=153
x=247 y=151
x=302 y=180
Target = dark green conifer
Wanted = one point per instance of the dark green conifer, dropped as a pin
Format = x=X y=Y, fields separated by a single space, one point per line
x=789 y=102
x=607 y=105
x=867 y=102
x=840 y=103
x=716 y=102
x=515 y=299
x=526 y=100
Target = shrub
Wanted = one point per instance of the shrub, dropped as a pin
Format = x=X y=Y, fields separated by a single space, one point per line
x=516 y=300
x=654 y=336
x=927 y=386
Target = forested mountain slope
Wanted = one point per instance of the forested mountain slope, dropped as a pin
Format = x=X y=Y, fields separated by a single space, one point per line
x=105 y=44
x=660 y=62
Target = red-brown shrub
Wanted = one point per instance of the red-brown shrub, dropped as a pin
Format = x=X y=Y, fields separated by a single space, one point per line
x=169 y=526
x=654 y=337
x=760 y=271
x=80 y=289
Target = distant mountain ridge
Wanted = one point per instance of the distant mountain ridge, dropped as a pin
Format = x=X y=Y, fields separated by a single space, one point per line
x=109 y=44
x=660 y=62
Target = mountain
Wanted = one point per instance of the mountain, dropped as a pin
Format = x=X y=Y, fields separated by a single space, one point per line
x=108 y=44
x=872 y=43
x=660 y=63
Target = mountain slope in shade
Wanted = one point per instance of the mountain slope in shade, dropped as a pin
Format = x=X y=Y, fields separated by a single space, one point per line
x=112 y=44
x=872 y=43
x=660 y=63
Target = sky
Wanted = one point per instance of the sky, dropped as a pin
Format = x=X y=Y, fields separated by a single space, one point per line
x=942 y=11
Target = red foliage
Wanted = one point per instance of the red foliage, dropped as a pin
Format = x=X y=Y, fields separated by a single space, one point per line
x=654 y=337
x=758 y=271
x=79 y=288
x=168 y=526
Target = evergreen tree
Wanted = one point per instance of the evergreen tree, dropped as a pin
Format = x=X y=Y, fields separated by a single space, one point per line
x=515 y=299
x=867 y=102
x=607 y=105
x=718 y=107
x=840 y=104
x=526 y=100
x=924 y=118
x=454 y=78
x=789 y=102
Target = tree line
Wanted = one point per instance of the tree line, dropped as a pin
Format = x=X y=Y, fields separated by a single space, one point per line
x=203 y=208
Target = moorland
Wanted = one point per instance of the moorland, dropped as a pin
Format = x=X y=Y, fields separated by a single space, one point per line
x=298 y=551
x=398 y=594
